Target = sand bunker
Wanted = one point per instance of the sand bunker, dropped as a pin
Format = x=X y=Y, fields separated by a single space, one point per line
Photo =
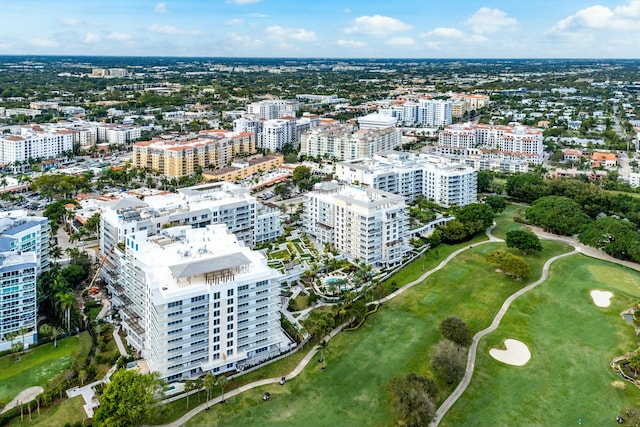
x=601 y=298
x=517 y=353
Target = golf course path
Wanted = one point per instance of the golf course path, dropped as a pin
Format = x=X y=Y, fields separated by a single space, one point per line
x=471 y=359
x=578 y=248
x=491 y=239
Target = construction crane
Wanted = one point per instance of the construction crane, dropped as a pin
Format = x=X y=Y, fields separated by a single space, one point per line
x=91 y=289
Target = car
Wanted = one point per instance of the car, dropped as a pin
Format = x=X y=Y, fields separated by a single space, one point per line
x=266 y=396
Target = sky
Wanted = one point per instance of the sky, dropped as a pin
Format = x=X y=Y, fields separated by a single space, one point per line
x=323 y=28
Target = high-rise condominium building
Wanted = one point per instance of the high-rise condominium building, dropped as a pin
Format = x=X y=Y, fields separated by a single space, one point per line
x=199 y=301
x=212 y=149
x=24 y=254
x=361 y=223
x=494 y=142
x=343 y=142
x=408 y=175
x=198 y=206
x=34 y=142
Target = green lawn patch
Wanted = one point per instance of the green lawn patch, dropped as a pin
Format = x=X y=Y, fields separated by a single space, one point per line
x=281 y=254
x=396 y=340
x=572 y=343
x=69 y=411
x=39 y=365
x=504 y=221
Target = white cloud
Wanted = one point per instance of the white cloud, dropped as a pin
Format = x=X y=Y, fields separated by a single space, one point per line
x=243 y=1
x=235 y=21
x=377 y=25
x=5 y=45
x=42 y=42
x=401 y=42
x=260 y=15
x=433 y=45
x=242 y=41
x=276 y=32
x=92 y=38
x=171 y=30
x=70 y=21
x=438 y=35
x=600 y=17
x=448 y=33
x=350 y=44
x=119 y=36
x=160 y=8
x=487 y=21
x=347 y=10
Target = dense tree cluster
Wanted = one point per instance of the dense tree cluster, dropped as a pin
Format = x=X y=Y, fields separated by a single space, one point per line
x=617 y=237
x=557 y=214
x=470 y=220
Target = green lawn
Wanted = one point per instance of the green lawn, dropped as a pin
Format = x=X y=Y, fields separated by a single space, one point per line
x=572 y=343
x=505 y=223
x=69 y=411
x=396 y=340
x=39 y=365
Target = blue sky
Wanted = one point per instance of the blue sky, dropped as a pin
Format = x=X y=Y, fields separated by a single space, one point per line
x=324 y=28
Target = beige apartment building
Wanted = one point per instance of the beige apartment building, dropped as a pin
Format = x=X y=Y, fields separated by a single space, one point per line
x=213 y=149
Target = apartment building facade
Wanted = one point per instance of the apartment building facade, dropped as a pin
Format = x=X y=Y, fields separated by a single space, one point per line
x=212 y=149
x=344 y=142
x=200 y=302
x=24 y=254
x=361 y=223
x=410 y=175
x=198 y=206
x=494 y=142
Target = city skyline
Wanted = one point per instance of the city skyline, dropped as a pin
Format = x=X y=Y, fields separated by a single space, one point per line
x=353 y=29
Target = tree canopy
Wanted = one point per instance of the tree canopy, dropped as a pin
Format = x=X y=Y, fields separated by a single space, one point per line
x=524 y=240
x=456 y=330
x=127 y=399
x=412 y=397
x=615 y=236
x=449 y=361
x=557 y=214
x=510 y=264
x=526 y=187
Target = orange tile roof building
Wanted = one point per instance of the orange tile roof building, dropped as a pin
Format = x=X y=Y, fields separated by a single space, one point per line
x=496 y=142
x=212 y=149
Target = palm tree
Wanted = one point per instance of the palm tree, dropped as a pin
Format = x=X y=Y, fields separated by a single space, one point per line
x=65 y=301
x=23 y=332
x=199 y=383
x=82 y=376
x=56 y=252
x=222 y=382
x=189 y=386
x=55 y=331
x=324 y=348
x=209 y=385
